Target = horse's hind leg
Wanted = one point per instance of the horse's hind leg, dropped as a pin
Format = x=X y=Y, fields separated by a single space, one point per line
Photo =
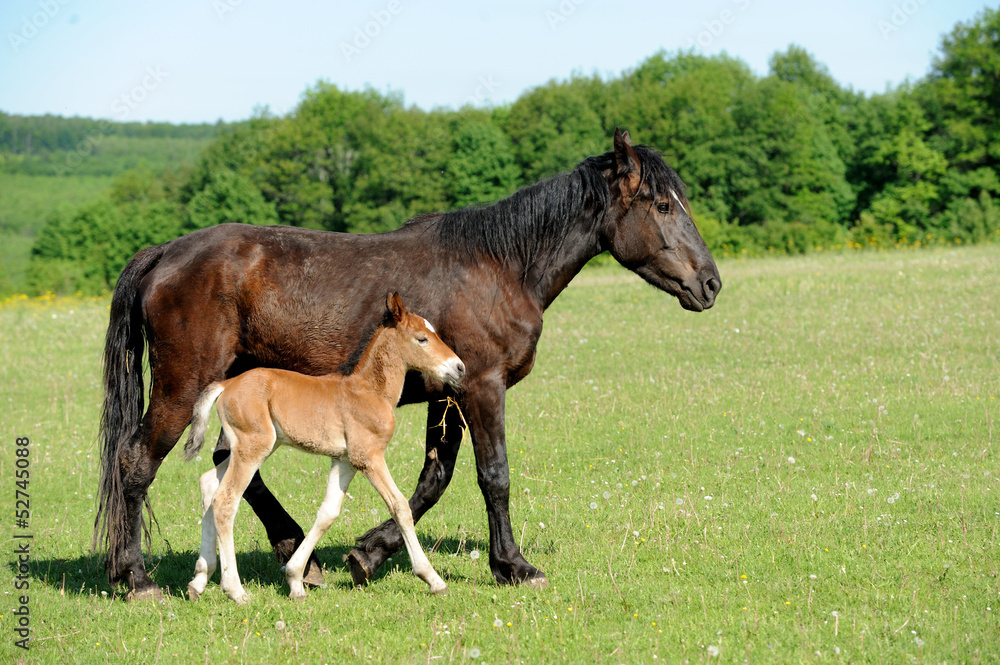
x=138 y=462
x=341 y=474
x=378 y=473
x=374 y=547
x=207 y=562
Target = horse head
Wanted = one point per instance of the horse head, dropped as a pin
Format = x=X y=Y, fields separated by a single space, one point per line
x=649 y=228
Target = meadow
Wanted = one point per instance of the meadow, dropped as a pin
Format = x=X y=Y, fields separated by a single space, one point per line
x=803 y=474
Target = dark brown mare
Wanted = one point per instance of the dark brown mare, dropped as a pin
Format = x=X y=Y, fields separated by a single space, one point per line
x=219 y=301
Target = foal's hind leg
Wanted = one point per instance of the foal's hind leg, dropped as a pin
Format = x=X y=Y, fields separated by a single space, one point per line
x=207 y=562
x=283 y=532
x=378 y=473
x=225 y=503
x=340 y=478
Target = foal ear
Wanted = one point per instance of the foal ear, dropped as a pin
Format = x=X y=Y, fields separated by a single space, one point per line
x=627 y=166
x=394 y=306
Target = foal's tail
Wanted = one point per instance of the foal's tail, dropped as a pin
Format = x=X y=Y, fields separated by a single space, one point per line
x=123 y=401
x=199 y=421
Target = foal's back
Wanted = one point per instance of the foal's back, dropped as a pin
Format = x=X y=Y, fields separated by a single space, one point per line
x=269 y=407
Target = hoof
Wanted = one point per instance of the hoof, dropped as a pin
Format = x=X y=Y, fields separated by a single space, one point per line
x=193 y=593
x=359 y=569
x=538 y=582
x=314 y=575
x=443 y=591
x=150 y=593
x=241 y=599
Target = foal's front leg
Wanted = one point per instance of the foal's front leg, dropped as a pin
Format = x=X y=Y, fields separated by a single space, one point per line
x=341 y=474
x=205 y=567
x=378 y=473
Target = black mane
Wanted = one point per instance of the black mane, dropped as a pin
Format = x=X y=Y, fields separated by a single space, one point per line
x=518 y=228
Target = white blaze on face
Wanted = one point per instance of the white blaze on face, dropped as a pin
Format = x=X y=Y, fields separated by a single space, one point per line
x=678 y=199
x=429 y=326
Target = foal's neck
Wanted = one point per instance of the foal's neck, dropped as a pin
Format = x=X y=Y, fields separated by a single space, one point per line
x=381 y=367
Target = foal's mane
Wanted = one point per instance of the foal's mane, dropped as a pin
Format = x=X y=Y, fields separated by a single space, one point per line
x=519 y=228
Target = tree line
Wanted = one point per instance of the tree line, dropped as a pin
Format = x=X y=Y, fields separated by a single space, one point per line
x=790 y=161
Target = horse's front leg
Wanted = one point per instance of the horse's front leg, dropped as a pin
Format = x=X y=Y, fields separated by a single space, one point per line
x=373 y=548
x=484 y=411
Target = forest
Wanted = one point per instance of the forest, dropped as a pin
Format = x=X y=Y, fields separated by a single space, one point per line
x=785 y=162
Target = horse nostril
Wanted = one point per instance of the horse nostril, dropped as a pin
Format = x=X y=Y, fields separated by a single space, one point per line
x=712 y=287
x=460 y=368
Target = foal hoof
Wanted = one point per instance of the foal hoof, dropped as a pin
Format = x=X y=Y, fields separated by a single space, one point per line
x=314 y=575
x=360 y=573
x=145 y=594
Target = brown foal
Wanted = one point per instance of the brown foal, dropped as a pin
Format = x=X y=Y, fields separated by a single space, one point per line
x=347 y=418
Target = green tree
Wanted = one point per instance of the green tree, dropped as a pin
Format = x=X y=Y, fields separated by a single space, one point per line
x=482 y=166
x=229 y=197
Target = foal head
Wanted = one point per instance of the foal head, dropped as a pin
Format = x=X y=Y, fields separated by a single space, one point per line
x=419 y=345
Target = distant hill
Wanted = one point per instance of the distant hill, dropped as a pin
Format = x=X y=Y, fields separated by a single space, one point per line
x=50 y=164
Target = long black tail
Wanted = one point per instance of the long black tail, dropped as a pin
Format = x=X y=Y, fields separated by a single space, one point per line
x=124 y=400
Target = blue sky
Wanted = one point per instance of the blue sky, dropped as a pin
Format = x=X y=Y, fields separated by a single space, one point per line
x=201 y=60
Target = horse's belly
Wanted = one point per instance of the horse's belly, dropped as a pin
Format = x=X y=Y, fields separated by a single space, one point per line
x=329 y=443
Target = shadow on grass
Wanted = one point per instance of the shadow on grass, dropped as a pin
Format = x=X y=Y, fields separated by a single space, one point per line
x=172 y=570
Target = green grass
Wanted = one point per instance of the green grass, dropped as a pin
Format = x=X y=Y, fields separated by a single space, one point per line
x=804 y=473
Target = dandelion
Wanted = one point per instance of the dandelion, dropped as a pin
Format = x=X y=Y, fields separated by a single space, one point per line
x=791 y=460
x=593 y=505
x=708 y=498
x=279 y=625
x=635 y=533
x=498 y=623
x=607 y=495
x=473 y=652
x=814 y=497
x=713 y=651
x=919 y=641
x=679 y=502
x=474 y=554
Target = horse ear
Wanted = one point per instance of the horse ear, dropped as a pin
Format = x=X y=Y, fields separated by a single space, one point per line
x=394 y=305
x=627 y=166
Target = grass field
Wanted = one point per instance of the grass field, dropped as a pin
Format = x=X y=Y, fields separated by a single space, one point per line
x=804 y=473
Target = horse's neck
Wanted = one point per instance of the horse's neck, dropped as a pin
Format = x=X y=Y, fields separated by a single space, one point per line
x=558 y=263
x=381 y=368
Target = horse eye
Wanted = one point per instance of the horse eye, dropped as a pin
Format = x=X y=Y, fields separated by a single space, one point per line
x=422 y=341
x=663 y=207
